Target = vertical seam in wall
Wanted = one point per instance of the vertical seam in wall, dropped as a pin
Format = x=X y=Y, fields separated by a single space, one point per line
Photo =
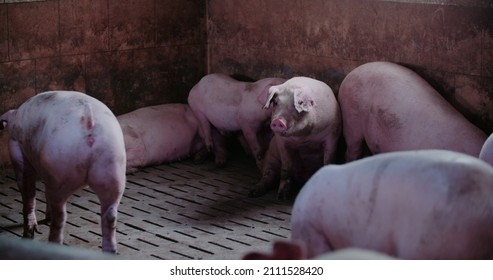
x=108 y=46
x=154 y=25
x=59 y=41
x=207 y=45
x=9 y=58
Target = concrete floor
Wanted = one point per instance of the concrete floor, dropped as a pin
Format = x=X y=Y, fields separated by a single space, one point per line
x=173 y=211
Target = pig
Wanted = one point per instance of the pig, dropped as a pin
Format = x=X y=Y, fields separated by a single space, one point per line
x=426 y=204
x=387 y=107
x=231 y=105
x=70 y=140
x=486 y=153
x=160 y=134
x=306 y=123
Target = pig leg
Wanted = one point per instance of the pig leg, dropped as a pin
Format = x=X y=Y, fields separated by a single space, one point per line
x=355 y=144
x=109 y=190
x=109 y=212
x=286 y=173
x=270 y=172
x=220 y=151
x=58 y=210
x=26 y=182
x=252 y=140
x=330 y=149
x=269 y=177
x=205 y=130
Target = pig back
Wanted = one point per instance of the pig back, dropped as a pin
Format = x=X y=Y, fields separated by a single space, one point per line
x=60 y=130
x=395 y=109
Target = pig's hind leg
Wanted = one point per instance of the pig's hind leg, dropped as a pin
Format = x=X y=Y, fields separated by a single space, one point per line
x=355 y=144
x=58 y=217
x=109 y=191
x=26 y=182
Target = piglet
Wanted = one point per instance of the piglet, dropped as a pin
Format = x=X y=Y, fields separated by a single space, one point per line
x=70 y=140
x=428 y=204
x=306 y=123
x=486 y=153
x=387 y=107
x=160 y=134
x=231 y=105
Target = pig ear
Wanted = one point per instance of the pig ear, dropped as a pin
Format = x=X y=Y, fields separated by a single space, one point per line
x=3 y=124
x=5 y=118
x=273 y=90
x=302 y=101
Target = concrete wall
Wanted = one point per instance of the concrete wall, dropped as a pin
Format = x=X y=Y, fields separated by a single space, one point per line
x=126 y=53
x=131 y=53
x=449 y=42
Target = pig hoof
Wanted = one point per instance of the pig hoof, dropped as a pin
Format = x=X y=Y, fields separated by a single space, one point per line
x=256 y=193
x=200 y=157
x=220 y=161
x=30 y=232
x=283 y=195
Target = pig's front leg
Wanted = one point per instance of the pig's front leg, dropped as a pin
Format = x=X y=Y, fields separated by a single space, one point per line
x=285 y=184
x=253 y=142
x=26 y=182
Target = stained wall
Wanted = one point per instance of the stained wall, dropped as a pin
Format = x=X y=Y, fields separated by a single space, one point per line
x=131 y=53
x=126 y=53
x=449 y=42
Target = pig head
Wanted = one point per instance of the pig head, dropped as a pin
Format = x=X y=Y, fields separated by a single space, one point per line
x=69 y=140
x=306 y=122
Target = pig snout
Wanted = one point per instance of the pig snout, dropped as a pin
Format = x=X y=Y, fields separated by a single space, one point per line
x=278 y=125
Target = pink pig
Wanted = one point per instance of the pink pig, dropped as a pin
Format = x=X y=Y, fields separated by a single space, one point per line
x=160 y=134
x=388 y=107
x=230 y=105
x=306 y=123
x=70 y=140
x=486 y=153
x=428 y=204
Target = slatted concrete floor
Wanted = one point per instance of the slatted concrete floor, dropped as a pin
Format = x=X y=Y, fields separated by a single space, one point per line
x=174 y=211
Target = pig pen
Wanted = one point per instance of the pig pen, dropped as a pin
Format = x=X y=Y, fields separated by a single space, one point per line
x=177 y=211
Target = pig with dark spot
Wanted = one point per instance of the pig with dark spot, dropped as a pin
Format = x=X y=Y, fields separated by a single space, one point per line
x=427 y=204
x=387 y=107
x=160 y=134
x=69 y=140
x=231 y=105
x=306 y=124
x=486 y=153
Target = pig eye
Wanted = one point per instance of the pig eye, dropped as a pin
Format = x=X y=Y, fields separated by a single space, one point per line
x=274 y=102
